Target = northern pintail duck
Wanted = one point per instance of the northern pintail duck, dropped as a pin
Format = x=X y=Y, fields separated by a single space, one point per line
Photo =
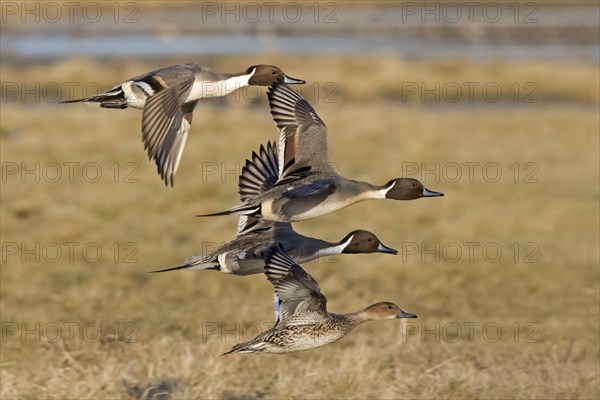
x=307 y=186
x=304 y=322
x=168 y=97
x=244 y=255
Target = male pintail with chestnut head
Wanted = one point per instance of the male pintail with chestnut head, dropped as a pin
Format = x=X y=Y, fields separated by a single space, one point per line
x=307 y=186
x=168 y=97
x=244 y=254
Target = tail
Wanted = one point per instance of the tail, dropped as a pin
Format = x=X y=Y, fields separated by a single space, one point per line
x=246 y=347
x=242 y=209
x=194 y=262
x=114 y=98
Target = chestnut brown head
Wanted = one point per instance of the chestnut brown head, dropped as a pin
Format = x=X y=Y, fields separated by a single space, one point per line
x=361 y=241
x=265 y=75
x=407 y=189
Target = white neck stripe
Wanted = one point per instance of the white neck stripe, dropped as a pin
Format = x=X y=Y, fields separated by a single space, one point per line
x=381 y=193
x=333 y=250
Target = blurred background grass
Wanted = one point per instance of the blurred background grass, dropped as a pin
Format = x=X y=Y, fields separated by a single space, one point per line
x=378 y=128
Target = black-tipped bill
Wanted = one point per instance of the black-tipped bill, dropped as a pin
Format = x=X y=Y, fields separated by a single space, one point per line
x=429 y=193
x=384 y=249
x=404 y=314
x=292 y=81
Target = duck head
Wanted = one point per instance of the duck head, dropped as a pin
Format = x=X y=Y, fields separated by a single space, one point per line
x=265 y=75
x=407 y=189
x=360 y=241
x=386 y=310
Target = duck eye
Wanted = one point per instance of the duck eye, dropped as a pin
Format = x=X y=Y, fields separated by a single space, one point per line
x=389 y=307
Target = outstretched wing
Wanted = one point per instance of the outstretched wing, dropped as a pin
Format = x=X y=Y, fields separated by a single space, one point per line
x=165 y=125
x=302 y=133
x=296 y=289
x=258 y=175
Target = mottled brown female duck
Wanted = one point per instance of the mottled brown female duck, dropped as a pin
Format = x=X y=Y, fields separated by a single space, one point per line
x=304 y=322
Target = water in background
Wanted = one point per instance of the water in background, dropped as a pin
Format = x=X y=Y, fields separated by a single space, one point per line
x=411 y=30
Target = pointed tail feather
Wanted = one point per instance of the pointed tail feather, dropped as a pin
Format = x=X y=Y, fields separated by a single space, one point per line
x=242 y=209
x=217 y=214
x=169 y=269
x=73 y=101
x=209 y=265
x=114 y=98
x=203 y=261
x=233 y=350
x=246 y=347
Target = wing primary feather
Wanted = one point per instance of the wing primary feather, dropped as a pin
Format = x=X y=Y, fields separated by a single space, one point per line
x=260 y=173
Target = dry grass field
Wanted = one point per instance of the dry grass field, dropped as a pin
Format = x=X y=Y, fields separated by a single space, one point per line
x=527 y=319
